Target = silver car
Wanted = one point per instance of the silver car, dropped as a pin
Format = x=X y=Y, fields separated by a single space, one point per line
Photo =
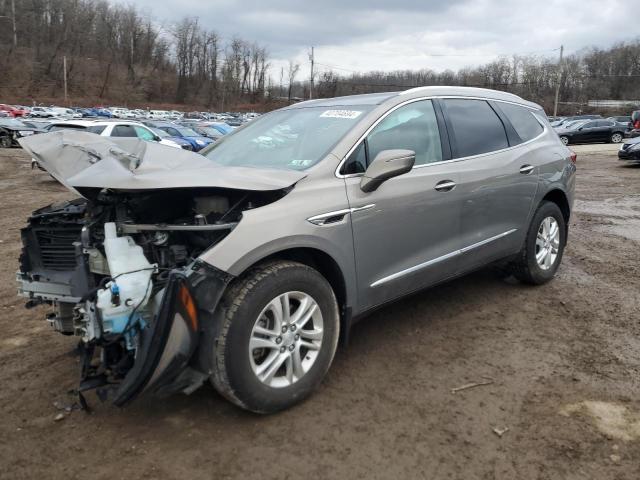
x=247 y=264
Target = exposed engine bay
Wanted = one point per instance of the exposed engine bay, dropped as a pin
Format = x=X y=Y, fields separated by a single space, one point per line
x=120 y=270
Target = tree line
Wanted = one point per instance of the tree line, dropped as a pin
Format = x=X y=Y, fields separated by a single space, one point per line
x=117 y=55
x=590 y=74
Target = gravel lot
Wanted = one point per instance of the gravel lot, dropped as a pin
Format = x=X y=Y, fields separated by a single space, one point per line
x=563 y=359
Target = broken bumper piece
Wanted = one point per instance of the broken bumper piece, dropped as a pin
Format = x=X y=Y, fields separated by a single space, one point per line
x=167 y=360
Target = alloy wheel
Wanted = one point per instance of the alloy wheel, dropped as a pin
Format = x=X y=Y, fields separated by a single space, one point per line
x=616 y=138
x=564 y=140
x=547 y=243
x=286 y=339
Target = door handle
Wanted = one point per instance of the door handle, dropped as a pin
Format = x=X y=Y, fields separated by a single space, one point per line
x=526 y=169
x=445 y=186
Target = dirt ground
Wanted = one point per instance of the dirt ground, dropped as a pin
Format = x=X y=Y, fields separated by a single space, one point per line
x=563 y=359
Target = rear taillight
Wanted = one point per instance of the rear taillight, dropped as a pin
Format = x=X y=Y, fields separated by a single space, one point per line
x=574 y=157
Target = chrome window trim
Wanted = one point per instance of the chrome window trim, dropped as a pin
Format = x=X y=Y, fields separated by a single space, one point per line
x=442 y=258
x=443 y=162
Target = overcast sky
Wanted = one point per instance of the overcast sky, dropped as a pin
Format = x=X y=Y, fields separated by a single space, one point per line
x=364 y=35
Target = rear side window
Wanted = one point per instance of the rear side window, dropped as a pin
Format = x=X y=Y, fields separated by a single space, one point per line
x=476 y=127
x=123 y=131
x=523 y=121
x=55 y=128
x=96 y=129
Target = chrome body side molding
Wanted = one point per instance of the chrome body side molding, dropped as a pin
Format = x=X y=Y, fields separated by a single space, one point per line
x=442 y=258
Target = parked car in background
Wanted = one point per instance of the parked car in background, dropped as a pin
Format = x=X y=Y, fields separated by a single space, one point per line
x=42 y=112
x=107 y=128
x=12 y=110
x=198 y=142
x=626 y=119
x=181 y=142
x=592 y=131
x=245 y=267
x=157 y=114
x=213 y=130
x=11 y=130
x=234 y=122
x=630 y=150
x=635 y=125
x=566 y=120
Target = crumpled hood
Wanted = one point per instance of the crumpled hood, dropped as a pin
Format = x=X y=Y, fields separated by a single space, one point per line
x=81 y=160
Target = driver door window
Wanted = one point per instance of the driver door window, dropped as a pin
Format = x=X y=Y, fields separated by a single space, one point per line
x=411 y=127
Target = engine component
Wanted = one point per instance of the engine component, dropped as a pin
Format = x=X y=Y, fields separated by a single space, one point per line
x=61 y=319
x=121 y=302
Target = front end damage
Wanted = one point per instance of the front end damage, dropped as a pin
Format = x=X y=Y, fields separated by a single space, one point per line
x=120 y=268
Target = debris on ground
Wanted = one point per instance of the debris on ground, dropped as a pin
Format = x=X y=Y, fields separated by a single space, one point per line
x=487 y=381
x=500 y=431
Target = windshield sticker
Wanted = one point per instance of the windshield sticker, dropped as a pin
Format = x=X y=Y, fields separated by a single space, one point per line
x=349 y=114
x=300 y=163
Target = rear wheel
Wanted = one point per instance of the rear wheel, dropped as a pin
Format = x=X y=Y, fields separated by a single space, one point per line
x=278 y=335
x=564 y=140
x=540 y=258
x=616 y=138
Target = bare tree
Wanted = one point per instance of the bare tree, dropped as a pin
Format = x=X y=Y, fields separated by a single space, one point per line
x=292 y=72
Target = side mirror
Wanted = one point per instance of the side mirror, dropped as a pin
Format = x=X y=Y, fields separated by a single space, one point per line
x=386 y=165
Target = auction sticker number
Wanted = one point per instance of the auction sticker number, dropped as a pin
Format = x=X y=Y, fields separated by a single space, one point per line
x=349 y=114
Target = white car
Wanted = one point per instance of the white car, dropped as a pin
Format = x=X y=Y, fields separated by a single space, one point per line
x=158 y=114
x=43 y=112
x=119 y=112
x=122 y=128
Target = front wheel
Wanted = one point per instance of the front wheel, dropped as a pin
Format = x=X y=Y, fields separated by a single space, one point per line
x=616 y=138
x=5 y=141
x=277 y=338
x=541 y=255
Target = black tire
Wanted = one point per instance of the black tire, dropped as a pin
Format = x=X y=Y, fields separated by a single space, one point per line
x=616 y=137
x=564 y=140
x=525 y=267
x=240 y=307
x=5 y=141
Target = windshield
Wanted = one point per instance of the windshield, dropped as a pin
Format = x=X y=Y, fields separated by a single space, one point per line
x=186 y=132
x=294 y=139
x=575 y=123
x=160 y=133
x=208 y=131
x=223 y=128
x=12 y=123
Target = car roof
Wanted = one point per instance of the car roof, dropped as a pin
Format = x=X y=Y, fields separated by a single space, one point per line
x=418 y=92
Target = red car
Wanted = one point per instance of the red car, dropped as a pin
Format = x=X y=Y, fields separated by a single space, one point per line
x=12 y=111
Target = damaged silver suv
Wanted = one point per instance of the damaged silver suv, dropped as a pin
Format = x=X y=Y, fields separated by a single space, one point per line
x=246 y=264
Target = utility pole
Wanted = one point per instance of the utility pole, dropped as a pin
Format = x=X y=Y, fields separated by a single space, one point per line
x=555 y=105
x=64 y=67
x=13 y=20
x=313 y=60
